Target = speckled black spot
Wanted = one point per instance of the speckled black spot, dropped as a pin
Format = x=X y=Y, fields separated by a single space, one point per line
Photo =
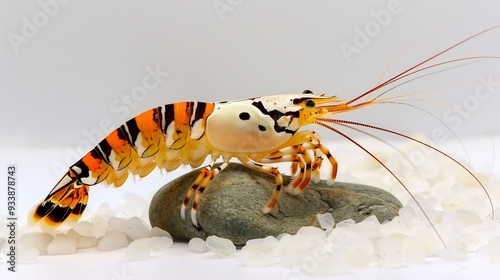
x=262 y=128
x=244 y=116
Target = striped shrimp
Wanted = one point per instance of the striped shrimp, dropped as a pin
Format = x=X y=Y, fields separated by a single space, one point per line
x=258 y=132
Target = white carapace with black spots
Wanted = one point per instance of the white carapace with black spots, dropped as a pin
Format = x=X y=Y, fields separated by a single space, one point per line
x=254 y=125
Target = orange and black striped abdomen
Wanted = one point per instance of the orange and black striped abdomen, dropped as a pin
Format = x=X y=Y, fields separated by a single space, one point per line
x=156 y=137
x=166 y=136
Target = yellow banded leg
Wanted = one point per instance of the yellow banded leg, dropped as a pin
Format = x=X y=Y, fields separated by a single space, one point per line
x=194 y=187
x=201 y=188
x=324 y=150
x=296 y=159
x=279 y=181
x=305 y=174
x=301 y=180
x=333 y=162
x=294 y=168
x=316 y=166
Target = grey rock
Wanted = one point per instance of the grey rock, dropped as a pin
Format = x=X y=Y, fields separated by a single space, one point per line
x=231 y=207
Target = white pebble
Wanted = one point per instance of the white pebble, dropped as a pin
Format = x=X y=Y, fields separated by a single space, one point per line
x=62 y=245
x=39 y=240
x=291 y=249
x=494 y=249
x=407 y=213
x=312 y=237
x=158 y=232
x=222 y=247
x=117 y=224
x=83 y=241
x=133 y=227
x=112 y=240
x=388 y=250
x=138 y=249
x=457 y=240
x=310 y=231
x=99 y=226
x=467 y=217
x=28 y=255
x=281 y=235
x=396 y=225
x=136 y=229
x=456 y=251
x=429 y=240
x=414 y=249
x=490 y=251
x=369 y=227
x=476 y=205
x=86 y=242
x=325 y=220
x=84 y=228
x=358 y=251
x=160 y=243
x=353 y=245
x=197 y=245
x=346 y=223
x=259 y=252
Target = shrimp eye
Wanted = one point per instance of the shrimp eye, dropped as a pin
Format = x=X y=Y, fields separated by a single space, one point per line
x=310 y=103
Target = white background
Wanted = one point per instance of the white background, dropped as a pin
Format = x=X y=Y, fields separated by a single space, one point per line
x=90 y=55
x=87 y=56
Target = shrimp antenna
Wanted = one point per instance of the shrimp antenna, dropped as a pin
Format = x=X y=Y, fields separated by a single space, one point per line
x=319 y=121
x=403 y=73
x=346 y=122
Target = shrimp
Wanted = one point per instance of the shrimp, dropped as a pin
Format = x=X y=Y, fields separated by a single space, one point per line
x=258 y=132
